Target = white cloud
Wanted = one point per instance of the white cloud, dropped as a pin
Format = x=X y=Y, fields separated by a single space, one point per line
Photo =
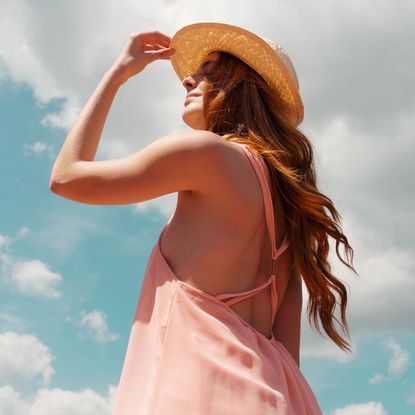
x=313 y=345
x=66 y=116
x=34 y=278
x=23 y=231
x=368 y=408
x=37 y=148
x=4 y=241
x=64 y=402
x=358 y=171
x=11 y=403
x=23 y=359
x=56 y=401
x=377 y=305
x=22 y=61
x=95 y=326
x=29 y=276
x=376 y=378
x=399 y=362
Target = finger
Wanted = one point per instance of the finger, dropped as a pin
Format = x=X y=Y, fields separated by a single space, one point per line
x=152 y=47
x=161 y=54
x=154 y=37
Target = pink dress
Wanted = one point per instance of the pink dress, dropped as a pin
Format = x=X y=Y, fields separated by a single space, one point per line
x=190 y=353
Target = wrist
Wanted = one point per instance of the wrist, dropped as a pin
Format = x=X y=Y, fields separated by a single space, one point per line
x=116 y=75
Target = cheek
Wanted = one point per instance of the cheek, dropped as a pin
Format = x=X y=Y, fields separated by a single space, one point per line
x=203 y=86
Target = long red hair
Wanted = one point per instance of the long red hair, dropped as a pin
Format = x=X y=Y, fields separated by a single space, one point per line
x=240 y=106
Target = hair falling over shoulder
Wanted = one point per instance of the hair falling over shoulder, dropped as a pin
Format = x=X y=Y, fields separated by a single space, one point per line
x=239 y=106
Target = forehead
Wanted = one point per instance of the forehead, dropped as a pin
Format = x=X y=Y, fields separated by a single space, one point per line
x=212 y=56
x=208 y=60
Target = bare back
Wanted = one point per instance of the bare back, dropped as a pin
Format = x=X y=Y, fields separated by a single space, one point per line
x=217 y=240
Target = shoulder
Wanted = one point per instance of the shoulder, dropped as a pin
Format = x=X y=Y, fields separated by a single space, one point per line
x=207 y=157
x=205 y=142
x=200 y=150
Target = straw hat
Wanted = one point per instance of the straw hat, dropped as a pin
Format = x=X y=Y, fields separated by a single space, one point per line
x=195 y=41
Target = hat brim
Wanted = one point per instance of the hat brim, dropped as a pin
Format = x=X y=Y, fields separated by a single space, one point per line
x=195 y=41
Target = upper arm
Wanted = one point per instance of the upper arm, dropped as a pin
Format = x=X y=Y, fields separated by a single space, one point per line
x=287 y=325
x=179 y=161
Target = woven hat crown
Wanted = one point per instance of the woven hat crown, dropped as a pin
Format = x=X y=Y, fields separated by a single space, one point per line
x=283 y=55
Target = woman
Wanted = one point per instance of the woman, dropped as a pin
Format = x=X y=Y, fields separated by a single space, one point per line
x=217 y=324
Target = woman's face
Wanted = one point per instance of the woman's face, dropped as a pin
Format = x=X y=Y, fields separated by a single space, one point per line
x=195 y=84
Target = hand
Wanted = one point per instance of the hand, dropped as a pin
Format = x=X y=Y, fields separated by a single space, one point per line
x=140 y=50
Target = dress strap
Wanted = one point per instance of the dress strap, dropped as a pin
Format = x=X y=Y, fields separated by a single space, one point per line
x=233 y=298
x=269 y=209
x=284 y=245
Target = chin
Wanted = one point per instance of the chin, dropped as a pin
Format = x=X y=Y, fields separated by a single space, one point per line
x=194 y=119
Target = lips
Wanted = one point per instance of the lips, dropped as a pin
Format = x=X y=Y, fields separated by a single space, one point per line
x=189 y=97
x=192 y=95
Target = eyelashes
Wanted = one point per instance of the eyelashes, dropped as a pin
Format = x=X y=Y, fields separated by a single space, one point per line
x=204 y=73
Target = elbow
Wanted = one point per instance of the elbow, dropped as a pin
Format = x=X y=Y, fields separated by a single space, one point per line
x=60 y=187
x=58 y=178
x=76 y=192
x=52 y=183
x=55 y=185
x=57 y=182
x=54 y=180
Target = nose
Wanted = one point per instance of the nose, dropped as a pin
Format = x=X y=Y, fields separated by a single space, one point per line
x=189 y=82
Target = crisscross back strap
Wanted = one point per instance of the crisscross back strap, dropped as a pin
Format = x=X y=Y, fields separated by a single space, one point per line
x=233 y=298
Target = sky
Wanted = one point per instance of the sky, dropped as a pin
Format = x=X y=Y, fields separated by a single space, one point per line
x=70 y=273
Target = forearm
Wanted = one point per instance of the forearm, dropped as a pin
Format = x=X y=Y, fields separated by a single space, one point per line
x=82 y=141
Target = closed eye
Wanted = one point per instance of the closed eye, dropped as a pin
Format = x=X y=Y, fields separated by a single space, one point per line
x=205 y=68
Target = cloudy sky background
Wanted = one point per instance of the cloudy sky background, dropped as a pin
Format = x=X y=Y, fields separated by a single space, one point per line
x=70 y=274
